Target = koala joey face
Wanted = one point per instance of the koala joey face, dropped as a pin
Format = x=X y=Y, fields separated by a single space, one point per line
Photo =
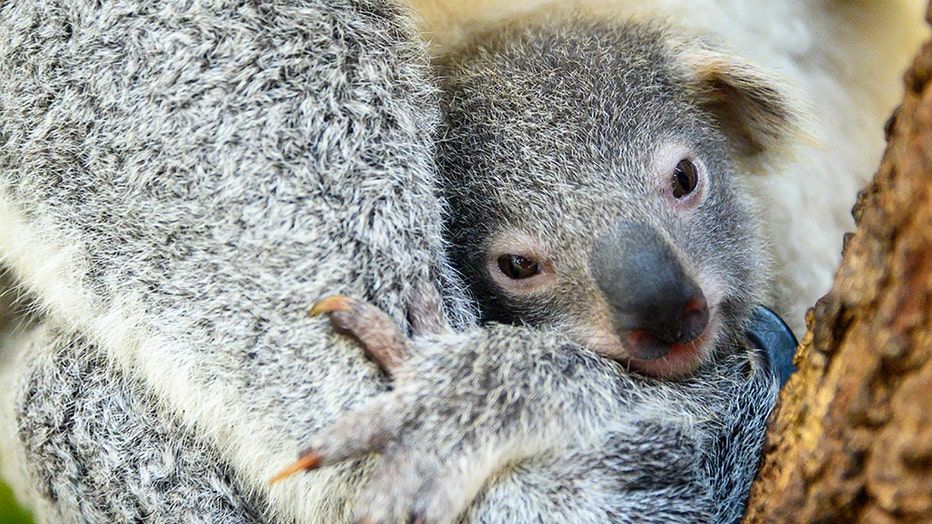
x=639 y=267
x=591 y=174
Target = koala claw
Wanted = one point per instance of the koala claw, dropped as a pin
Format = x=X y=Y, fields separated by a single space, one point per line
x=413 y=482
x=371 y=327
x=308 y=461
x=356 y=433
x=330 y=304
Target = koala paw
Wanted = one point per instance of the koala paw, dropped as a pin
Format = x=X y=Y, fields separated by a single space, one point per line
x=416 y=480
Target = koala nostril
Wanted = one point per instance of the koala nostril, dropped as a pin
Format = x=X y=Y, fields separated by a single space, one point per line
x=695 y=320
x=644 y=345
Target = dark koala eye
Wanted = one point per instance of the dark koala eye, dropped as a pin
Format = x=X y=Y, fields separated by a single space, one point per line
x=685 y=178
x=518 y=267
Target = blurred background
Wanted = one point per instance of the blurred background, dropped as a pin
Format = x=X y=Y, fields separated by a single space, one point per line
x=10 y=511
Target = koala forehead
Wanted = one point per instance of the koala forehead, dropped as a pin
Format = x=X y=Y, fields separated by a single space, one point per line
x=582 y=109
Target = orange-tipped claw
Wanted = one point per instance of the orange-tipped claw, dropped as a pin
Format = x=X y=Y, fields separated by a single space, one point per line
x=370 y=326
x=307 y=461
x=331 y=303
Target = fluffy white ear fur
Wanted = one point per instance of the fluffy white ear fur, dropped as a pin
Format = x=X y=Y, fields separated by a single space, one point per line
x=754 y=109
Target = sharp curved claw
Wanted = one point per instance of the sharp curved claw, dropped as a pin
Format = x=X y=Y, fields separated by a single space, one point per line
x=370 y=326
x=330 y=304
x=310 y=460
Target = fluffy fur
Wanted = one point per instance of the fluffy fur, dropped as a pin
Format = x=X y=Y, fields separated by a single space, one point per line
x=562 y=434
x=179 y=181
x=176 y=190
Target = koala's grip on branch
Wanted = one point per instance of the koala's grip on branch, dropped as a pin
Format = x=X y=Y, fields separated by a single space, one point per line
x=179 y=182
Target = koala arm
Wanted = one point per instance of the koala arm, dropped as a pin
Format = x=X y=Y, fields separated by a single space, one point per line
x=524 y=419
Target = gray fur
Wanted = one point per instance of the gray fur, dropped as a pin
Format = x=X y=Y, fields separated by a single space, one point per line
x=563 y=434
x=199 y=158
x=207 y=170
x=101 y=452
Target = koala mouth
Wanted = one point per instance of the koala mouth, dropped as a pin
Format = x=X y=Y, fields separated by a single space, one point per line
x=677 y=359
x=650 y=354
x=661 y=338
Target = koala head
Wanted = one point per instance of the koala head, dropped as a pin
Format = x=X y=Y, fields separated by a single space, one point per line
x=593 y=177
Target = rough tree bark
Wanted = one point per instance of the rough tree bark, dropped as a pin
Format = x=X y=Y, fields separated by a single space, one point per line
x=851 y=438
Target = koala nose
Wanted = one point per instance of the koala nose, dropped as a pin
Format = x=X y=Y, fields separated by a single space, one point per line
x=655 y=304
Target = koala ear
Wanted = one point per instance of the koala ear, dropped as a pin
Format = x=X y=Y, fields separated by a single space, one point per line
x=756 y=112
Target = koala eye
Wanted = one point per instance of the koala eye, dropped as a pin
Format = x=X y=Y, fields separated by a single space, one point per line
x=518 y=267
x=685 y=178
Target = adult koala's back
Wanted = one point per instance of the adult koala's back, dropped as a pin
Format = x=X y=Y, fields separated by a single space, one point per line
x=179 y=182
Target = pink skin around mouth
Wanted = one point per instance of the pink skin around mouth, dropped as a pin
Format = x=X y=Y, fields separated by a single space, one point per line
x=679 y=361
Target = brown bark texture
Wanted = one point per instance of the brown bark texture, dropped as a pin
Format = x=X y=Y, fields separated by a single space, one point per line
x=851 y=438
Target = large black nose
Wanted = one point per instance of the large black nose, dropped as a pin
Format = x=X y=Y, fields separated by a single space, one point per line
x=655 y=304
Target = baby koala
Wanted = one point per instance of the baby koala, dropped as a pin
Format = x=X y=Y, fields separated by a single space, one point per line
x=589 y=168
